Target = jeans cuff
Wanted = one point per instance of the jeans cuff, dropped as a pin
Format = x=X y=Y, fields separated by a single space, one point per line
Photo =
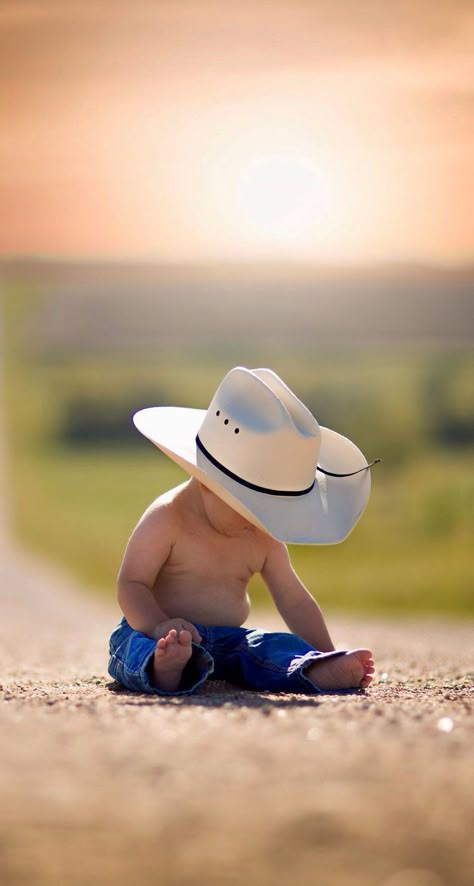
x=306 y=660
x=195 y=672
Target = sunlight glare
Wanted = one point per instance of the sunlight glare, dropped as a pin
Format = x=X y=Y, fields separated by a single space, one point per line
x=281 y=198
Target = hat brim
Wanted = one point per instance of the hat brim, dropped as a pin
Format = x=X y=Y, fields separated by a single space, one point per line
x=325 y=515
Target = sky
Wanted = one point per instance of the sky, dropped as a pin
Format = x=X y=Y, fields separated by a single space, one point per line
x=304 y=130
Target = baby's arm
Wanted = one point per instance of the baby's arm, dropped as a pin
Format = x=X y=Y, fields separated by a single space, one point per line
x=293 y=601
x=146 y=552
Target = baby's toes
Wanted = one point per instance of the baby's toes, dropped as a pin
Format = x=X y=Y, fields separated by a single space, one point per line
x=161 y=647
x=185 y=638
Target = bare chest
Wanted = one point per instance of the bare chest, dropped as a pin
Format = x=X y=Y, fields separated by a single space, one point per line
x=212 y=558
x=205 y=579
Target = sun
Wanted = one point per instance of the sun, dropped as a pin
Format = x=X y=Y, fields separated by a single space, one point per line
x=282 y=198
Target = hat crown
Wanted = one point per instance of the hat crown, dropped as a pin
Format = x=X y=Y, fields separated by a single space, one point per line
x=257 y=429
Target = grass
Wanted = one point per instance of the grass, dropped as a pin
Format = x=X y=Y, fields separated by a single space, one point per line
x=77 y=502
x=410 y=551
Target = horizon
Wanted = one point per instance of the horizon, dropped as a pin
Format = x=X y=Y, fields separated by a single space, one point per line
x=389 y=264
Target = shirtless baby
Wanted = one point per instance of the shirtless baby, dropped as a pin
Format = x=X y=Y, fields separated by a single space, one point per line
x=263 y=473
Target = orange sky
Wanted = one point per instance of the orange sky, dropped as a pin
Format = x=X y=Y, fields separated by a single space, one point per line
x=312 y=130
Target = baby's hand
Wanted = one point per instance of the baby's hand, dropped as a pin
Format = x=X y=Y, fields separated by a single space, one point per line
x=179 y=624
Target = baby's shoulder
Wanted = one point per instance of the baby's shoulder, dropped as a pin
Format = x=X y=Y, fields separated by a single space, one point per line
x=166 y=500
x=162 y=511
x=276 y=553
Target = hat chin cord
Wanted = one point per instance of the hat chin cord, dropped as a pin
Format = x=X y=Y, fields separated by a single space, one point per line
x=376 y=461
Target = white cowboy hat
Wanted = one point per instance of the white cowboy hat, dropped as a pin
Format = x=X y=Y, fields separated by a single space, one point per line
x=260 y=450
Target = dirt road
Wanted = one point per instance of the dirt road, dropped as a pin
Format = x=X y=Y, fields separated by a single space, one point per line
x=100 y=786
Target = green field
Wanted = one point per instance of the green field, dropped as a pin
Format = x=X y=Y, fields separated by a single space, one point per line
x=80 y=476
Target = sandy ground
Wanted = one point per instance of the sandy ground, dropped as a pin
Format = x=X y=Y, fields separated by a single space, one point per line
x=99 y=786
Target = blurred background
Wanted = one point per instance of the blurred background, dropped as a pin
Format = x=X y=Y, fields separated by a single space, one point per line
x=188 y=186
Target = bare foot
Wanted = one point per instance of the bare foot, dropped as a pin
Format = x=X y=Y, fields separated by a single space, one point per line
x=353 y=670
x=171 y=655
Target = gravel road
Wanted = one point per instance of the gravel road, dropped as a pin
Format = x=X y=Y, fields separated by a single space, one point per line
x=101 y=786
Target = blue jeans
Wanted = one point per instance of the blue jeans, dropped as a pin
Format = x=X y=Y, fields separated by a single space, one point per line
x=253 y=659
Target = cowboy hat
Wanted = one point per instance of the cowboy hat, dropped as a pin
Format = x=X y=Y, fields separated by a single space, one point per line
x=262 y=451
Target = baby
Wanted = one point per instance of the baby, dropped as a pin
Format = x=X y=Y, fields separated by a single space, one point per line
x=257 y=481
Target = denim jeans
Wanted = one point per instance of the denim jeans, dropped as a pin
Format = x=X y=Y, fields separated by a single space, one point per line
x=252 y=659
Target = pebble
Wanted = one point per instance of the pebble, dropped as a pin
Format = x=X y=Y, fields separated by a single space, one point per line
x=445 y=724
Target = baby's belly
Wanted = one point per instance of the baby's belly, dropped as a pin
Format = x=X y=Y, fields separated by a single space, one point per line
x=206 y=606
